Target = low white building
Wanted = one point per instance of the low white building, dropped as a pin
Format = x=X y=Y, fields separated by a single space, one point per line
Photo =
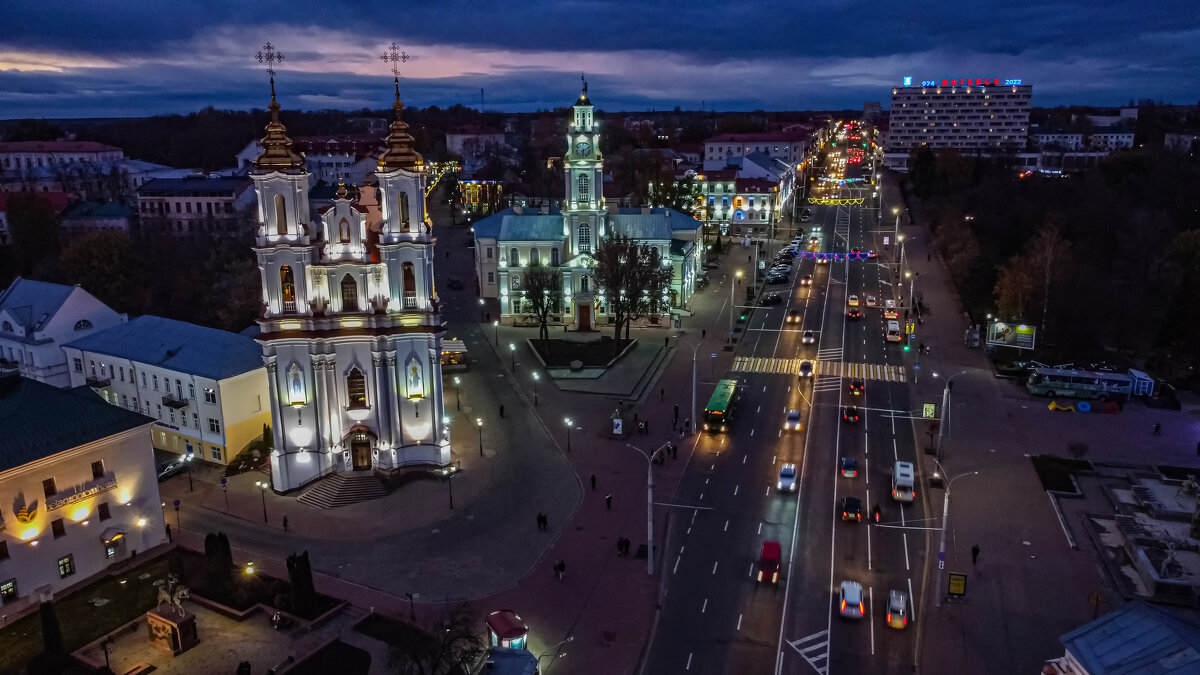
x=38 y=318
x=206 y=389
x=790 y=147
x=79 y=488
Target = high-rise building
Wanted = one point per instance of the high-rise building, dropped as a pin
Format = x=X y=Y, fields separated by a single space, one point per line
x=974 y=116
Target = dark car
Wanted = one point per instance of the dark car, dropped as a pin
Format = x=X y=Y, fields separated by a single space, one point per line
x=849 y=467
x=777 y=279
x=171 y=468
x=769 y=299
x=702 y=281
x=854 y=314
x=857 y=387
x=850 y=414
x=454 y=283
x=852 y=509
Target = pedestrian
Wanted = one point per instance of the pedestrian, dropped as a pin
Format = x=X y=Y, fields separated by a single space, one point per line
x=674 y=451
x=662 y=394
x=562 y=569
x=501 y=412
x=169 y=539
x=557 y=572
x=635 y=421
x=667 y=342
x=928 y=257
x=687 y=425
x=676 y=415
x=1197 y=446
x=539 y=521
x=593 y=482
x=975 y=554
x=1157 y=429
x=487 y=316
x=607 y=503
x=625 y=545
x=646 y=426
x=703 y=333
x=285 y=524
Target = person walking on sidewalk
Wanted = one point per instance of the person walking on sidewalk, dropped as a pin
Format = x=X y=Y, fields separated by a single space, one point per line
x=608 y=502
x=975 y=554
x=1157 y=429
x=593 y=482
x=501 y=412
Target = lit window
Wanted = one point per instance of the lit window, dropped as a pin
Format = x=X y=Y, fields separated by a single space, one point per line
x=66 y=566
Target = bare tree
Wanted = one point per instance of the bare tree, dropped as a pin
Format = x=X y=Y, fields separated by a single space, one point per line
x=543 y=291
x=444 y=645
x=634 y=278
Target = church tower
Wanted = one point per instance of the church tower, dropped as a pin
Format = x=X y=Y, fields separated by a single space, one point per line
x=350 y=326
x=583 y=167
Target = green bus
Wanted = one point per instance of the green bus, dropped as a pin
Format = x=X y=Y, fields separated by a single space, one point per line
x=1079 y=384
x=718 y=414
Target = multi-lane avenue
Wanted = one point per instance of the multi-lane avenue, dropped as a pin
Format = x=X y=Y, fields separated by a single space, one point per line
x=715 y=617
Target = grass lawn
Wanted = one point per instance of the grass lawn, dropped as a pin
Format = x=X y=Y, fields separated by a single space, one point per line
x=560 y=353
x=86 y=614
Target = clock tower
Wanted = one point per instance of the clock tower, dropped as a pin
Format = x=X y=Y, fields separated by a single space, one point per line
x=583 y=208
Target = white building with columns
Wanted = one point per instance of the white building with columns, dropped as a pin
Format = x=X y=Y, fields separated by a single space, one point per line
x=350 y=328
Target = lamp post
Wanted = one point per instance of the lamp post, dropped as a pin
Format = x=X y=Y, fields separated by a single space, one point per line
x=912 y=279
x=187 y=463
x=937 y=602
x=732 y=282
x=481 y=317
x=512 y=350
x=649 y=457
x=457 y=398
x=567 y=421
x=479 y=423
x=897 y=260
x=945 y=416
x=262 y=492
x=536 y=377
x=896 y=230
x=496 y=333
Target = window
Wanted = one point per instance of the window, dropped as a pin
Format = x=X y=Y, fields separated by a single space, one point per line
x=585 y=238
x=196 y=420
x=155 y=380
x=179 y=388
x=192 y=390
x=349 y=294
x=58 y=527
x=533 y=257
x=281 y=226
x=143 y=379
x=215 y=452
x=514 y=258
x=8 y=589
x=408 y=285
x=287 y=288
x=356 y=389
x=78 y=364
x=66 y=566
x=344 y=231
x=491 y=277
x=554 y=257
x=214 y=426
x=122 y=371
x=158 y=410
x=102 y=511
x=135 y=404
x=83 y=324
x=488 y=250
x=171 y=413
x=98 y=469
x=583 y=187
x=48 y=487
x=124 y=401
x=405 y=225
x=210 y=396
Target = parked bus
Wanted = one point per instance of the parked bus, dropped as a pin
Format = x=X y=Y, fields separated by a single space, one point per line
x=893 y=331
x=718 y=414
x=454 y=355
x=1079 y=384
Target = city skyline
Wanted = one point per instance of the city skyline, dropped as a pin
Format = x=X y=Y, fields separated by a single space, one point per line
x=133 y=59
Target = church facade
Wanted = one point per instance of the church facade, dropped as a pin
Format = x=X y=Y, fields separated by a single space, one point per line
x=350 y=326
x=565 y=238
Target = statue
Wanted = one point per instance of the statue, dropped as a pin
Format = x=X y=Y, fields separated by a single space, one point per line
x=173 y=593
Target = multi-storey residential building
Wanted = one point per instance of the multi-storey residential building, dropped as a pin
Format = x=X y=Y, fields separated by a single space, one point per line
x=78 y=483
x=790 y=147
x=1110 y=138
x=84 y=169
x=205 y=389
x=738 y=206
x=973 y=116
x=37 y=319
x=348 y=158
x=194 y=204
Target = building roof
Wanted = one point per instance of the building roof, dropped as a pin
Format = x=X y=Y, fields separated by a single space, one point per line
x=97 y=210
x=635 y=223
x=1136 y=638
x=33 y=303
x=360 y=145
x=167 y=187
x=756 y=186
x=716 y=175
x=475 y=130
x=57 y=200
x=176 y=345
x=56 y=146
x=40 y=420
x=772 y=137
x=531 y=227
x=489 y=228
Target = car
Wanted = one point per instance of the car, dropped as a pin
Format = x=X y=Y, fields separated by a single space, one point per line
x=849 y=467
x=852 y=300
x=782 y=268
x=777 y=279
x=809 y=337
x=897 y=610
x=854 y=314
x=891 y=313
x=769 y=562
x=786 y=251
x=702 y=281
x=870 y=301
x=850 y=414
x=822 y=260
x=850 y=600
x=857 y=387
x=804 y=218
x=795 y=316
x=806 y=280
x=787 y=478
x=768 y=299
x=889 y=304
x=806 y=368
x=851 y=509
x=792 y=421
x=871 y=254
x=171 y=468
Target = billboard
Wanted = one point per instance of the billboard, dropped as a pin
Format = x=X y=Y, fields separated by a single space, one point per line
x=1019 y=336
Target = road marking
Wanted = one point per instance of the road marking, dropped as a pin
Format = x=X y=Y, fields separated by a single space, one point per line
x=744 y=457
x=739 y=626
x=704 y=606
x=676 y=567
x=871 y=604
x=760 y=522
x=715 y=567
x=814 y=649
x=689 y=662
x=726 y=526
x=735 y=489
x=906 y=565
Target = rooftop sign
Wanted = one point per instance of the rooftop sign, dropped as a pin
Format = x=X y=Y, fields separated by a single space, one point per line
x=966 y=82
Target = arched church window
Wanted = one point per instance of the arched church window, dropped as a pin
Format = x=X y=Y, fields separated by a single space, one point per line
x=533 y=256
x=585 y=238
x=349 y=294
x=583 y=185
x=408 y=281
x=356 y=389
x=82 y=324
x=405 y=223
x=514 y=257
x=344 y=231
x=583 y=284
x=554 y=257
x=281 y=225
x=287 y=288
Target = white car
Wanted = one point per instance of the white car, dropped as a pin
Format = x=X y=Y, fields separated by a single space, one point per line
x=870 y=301
x=809 y=337
x=852 y=300
x=897 y=610
x=850 y=600
x=787 y=478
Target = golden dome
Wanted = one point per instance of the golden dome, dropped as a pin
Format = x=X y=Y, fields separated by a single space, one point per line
x=277 y=154
x=399 y=153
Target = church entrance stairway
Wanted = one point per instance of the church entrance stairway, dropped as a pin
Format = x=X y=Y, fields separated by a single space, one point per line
x=343 y=489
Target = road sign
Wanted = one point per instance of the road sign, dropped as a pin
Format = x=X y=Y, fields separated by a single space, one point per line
x=910 y=328
x=618 y=426
x=929 y=411
x=958 y=585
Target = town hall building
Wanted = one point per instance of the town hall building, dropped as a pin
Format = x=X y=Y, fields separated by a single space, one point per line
x=565 y=238
x=350 y=328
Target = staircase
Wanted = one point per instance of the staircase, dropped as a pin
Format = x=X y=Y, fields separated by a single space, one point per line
x=343 y=489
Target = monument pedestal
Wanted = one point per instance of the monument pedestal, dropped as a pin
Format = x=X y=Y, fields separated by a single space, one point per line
x=171 y=632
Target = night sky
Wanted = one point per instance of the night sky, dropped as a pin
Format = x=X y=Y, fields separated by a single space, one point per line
x=94 y=58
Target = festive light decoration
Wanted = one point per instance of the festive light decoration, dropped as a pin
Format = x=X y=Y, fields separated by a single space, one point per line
x=829 y=201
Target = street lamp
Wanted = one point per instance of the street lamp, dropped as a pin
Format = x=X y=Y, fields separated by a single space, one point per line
x=457 y=398
x=567 y=421
x=512 y=350
x=481 y=303
x=942 y=546
x=737 y=277
x=536 y=377
x=945 y=416
x=912 y=279
x=649 y=503
x=896 y=230
x=187 y=463
x=496 y=332
x=262 y=491
x=479 y=423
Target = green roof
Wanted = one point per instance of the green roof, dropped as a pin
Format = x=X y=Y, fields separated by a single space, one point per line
x=40 y=420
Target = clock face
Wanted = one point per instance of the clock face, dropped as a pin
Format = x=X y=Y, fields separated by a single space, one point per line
x=583 y=149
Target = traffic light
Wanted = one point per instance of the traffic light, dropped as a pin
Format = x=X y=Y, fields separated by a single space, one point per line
x=907 y=346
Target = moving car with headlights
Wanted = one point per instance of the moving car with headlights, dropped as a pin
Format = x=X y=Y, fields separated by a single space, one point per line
x=809 y=337
x=854 y=314
x=852 y=300
x=769 y=562
x=850 y=414
x=768 y=299
x=787 y=478
x=897 y=610
x=849 y=467
x=806 y=369
x=852 y=509
x=850 y=600
x=792 y=421
x=870 y=301
x=806 y=280
x=891 y=313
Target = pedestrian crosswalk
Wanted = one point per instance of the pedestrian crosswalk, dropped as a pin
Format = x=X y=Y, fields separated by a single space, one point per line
x=822 y=369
